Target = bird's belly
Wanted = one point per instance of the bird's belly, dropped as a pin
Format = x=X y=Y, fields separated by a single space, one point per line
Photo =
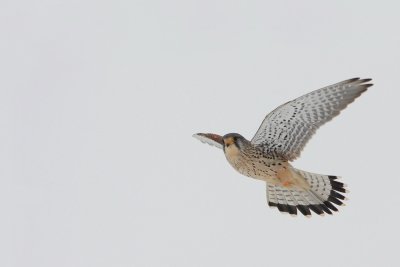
x=261 y=169
x=273 y=171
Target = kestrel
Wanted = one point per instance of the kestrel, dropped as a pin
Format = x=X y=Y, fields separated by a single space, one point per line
x=280 y=139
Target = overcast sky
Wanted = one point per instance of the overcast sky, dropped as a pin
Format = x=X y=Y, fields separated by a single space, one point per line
x=99 y=101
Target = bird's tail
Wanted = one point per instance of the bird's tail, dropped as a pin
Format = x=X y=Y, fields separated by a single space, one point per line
x=324 y=191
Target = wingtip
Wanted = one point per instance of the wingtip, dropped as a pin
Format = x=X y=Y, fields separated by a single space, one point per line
x=358 y=80
x=198 y=137
x=209 y=138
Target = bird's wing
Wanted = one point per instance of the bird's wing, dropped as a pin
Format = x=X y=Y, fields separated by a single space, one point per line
x=286 y=130
x=211 y=139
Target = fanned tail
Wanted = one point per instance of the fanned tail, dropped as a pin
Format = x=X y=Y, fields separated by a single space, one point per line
x=324 y=191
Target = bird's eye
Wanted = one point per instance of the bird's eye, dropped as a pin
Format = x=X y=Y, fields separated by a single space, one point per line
x=227 y=145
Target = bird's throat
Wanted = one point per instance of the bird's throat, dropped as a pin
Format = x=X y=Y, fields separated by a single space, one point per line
x=232 y=153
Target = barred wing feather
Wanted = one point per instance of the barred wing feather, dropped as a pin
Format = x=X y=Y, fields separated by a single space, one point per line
x=286 y=130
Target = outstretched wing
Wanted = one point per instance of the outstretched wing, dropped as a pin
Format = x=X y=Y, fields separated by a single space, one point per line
x=286 y=130
x=211 y=139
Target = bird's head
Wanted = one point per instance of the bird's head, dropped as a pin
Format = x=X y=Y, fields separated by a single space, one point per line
x=233 y=141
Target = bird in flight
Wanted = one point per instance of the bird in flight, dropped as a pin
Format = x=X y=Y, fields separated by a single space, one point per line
x=280 y=139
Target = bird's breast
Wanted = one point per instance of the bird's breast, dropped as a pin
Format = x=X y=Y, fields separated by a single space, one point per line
x=255 y=166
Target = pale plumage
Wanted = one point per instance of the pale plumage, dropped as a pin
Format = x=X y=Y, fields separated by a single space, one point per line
x=281 y=138
x=286 y=130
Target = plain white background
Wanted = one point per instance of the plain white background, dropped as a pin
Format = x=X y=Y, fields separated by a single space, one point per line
x=98 y=102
